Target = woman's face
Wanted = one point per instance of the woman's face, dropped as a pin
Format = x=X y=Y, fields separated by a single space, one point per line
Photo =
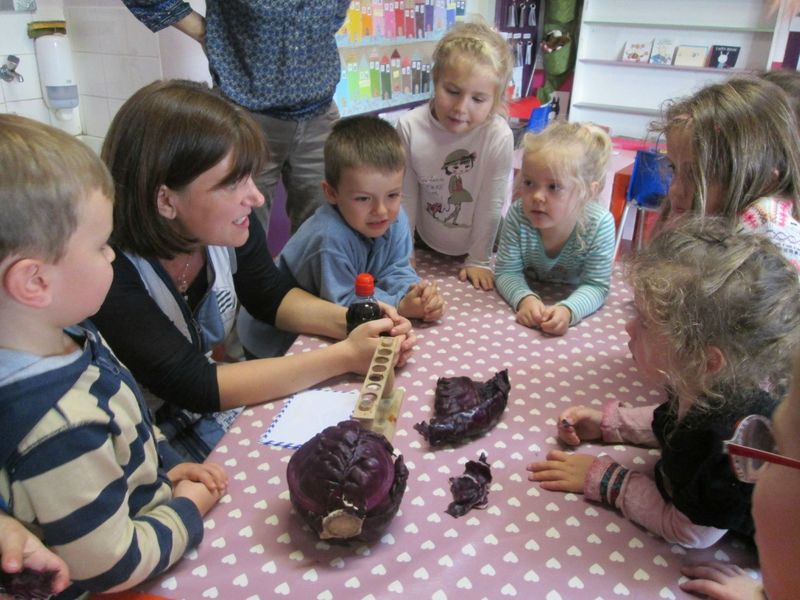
x=214 y=213
x=775 y=506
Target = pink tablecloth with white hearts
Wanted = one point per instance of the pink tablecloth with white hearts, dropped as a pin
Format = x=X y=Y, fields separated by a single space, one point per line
x=528 y=543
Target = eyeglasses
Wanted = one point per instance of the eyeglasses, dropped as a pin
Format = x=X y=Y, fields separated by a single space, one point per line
x=752 y=446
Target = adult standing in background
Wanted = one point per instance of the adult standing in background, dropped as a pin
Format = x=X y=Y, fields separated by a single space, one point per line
x=279 y=60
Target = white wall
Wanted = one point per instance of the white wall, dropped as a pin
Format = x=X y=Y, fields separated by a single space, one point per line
x=114 y=55
x=25 y=98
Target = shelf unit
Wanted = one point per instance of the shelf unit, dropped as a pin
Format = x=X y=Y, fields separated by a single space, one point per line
x=628 y=96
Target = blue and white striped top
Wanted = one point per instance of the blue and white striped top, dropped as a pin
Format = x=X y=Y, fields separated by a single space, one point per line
x=586 y=262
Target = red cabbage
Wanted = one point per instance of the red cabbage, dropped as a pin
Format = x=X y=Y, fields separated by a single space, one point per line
x=470 y=490
x=465 y=409
x=27 y=584
x=345 y=483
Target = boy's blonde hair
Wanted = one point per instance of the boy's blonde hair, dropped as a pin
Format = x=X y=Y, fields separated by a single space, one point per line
x=475 y=42
x=699 y=284
x=744 y=139
x=362 y=141
x=46 y=174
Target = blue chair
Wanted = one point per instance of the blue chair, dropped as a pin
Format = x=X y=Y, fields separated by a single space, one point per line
x=647 y=188
x=540 y=117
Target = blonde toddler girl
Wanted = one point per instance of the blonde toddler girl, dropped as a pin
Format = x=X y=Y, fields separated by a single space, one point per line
x=554 y=232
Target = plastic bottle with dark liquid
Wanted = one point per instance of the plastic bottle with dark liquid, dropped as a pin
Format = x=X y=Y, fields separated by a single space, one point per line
x=365 y=307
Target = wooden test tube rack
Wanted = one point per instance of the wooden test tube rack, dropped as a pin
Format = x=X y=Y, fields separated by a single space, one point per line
x=378 y=404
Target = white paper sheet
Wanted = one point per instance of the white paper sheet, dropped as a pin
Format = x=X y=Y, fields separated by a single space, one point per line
x=306 y=414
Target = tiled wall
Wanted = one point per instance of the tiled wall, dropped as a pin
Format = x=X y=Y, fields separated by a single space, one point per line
x=114 y=56
x=113 y=53
x=25 y=98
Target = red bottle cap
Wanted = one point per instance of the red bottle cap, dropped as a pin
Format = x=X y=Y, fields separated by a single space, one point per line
x=365 y=284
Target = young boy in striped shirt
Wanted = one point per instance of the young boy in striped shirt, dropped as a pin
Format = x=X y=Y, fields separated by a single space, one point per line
x=81 y=463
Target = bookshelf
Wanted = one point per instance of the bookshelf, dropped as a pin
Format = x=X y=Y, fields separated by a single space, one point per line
x=627 y=96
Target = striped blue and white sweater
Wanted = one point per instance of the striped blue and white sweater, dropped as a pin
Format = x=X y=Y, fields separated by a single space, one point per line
x=586 y=262
x=80 y=466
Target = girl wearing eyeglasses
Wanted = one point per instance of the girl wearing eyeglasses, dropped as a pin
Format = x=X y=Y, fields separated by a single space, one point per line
x=769 y=456
x=718 y=320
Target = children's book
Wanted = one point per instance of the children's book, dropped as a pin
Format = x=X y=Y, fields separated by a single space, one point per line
x=663 y=51
x=723 y=57
x=691 y=56
x=637 y=51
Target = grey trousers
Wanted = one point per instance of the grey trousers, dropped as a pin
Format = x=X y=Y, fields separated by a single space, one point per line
x=296 y=158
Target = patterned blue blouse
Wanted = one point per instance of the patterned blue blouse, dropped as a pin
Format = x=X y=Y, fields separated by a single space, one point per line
x=278 y=58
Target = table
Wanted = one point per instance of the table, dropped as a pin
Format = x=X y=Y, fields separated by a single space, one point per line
x=528 y=543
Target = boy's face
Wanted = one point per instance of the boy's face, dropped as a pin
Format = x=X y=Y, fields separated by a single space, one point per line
x=367 y=198
x=82 y=276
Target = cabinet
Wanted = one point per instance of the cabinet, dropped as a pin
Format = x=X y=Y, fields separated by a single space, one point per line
x=627 y=96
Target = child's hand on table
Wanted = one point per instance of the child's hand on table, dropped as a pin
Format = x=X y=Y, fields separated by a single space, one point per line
x=423 y=301
x=211 y=475
x=579 y=424
x=555 y=319
x=722 y=581
x=530 y=311
x=562 y=471
x=432 y=302
x=480 y=278
x=202 y=497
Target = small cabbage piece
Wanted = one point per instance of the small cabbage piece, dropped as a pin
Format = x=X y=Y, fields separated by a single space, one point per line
x=345 y=483
x=465 y=409
x=470 y=490
x=27 y=583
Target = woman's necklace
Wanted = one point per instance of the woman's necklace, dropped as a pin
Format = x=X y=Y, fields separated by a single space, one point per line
x=184 y=278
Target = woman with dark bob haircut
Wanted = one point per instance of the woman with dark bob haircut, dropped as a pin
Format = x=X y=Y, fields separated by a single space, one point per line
x=188 y=252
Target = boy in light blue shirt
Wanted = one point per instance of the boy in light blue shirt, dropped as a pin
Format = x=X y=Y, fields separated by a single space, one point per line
x=362 y=229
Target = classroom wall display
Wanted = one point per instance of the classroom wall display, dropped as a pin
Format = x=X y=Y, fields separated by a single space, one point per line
x=386 y=47
x=691 y=56
x=723 y=57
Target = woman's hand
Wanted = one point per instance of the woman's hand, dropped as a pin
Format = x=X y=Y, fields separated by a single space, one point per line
x=579 y=424
x=479 y=277
x=562 y=471
x=721 y=581
x=211 y=475
x=363 y=341
x=400 y=326
x=20 y=549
